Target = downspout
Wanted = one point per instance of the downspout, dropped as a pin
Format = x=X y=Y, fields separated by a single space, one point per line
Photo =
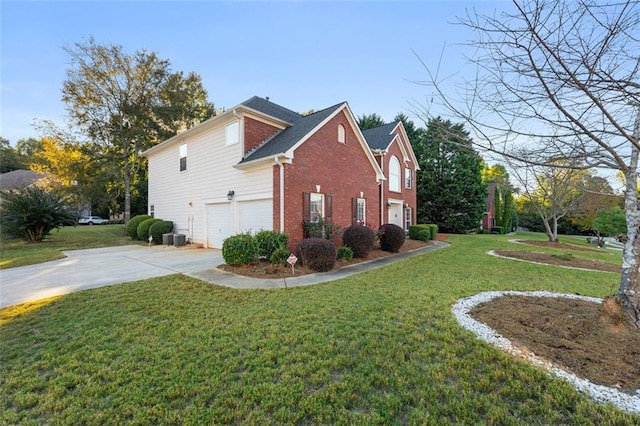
x=382 y=202
x=277 y=160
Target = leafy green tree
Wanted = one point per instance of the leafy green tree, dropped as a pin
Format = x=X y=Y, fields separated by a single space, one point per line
x=609 y=223
x=32 y=213
x=450 y=190
x=413 y=133
x=9 y=158
x=126 y=103
x=369 y=121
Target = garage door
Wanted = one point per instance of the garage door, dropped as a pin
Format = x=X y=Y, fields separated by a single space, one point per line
x=255 y=215
x=219 y=224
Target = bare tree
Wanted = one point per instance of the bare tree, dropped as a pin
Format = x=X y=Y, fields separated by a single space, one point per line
x=562 y=80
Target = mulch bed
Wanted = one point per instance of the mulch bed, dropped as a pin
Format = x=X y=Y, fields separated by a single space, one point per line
x=560 y=260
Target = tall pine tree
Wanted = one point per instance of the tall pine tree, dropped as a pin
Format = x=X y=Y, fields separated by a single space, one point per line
x=450 y=188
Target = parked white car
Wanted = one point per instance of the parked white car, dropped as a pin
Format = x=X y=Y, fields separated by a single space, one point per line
x=92 y=220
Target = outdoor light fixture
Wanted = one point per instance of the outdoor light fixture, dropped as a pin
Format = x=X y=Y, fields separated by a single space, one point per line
x=230 y=195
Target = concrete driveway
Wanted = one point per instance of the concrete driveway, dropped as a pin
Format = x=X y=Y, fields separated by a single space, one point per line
x=84 y=269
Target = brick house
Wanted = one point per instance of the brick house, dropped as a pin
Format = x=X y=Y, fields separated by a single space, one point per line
x=259 y=166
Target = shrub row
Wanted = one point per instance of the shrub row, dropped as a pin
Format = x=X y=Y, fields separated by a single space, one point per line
x=423 y=232
x=142 y=226
x=244 y=249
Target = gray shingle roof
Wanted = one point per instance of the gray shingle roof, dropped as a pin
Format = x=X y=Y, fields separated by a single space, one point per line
x=289 y=137
x=379 y=138
x=19 y=179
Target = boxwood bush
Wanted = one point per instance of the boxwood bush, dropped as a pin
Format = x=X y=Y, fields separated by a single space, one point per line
x=318 y=254
x=240 y=250
x=420 y=232
x=434 y=230
x=132 y=225
x=279 y=256
x=143 y=228
x=360 y=239
x=345 y=253
x=159 y=228
x=391 y=237
x=269 y=241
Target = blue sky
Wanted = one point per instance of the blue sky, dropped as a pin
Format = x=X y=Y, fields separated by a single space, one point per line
x=301 y=54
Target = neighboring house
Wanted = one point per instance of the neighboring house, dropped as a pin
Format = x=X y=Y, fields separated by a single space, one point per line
x=489 y=218
x=260 y=166
x=18 y=179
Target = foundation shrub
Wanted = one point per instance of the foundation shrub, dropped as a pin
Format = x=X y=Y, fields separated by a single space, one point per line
x=391 y=237
x=239 y=250
x=318 y=254
x=269 y=241
x=434 y=230
x=360 y=239
x=132 y=225
x=345 y=253
x=143 y=228
x=279 y=256
x=420 y=232
x=159 y=228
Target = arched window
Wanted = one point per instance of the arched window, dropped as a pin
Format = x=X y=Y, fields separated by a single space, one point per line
x=341 y=134
x=394 y=174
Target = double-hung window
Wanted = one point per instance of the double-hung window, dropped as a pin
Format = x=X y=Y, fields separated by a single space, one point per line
x=183 y=157
x=361 y=211
x=408 y=178
x=316 y=207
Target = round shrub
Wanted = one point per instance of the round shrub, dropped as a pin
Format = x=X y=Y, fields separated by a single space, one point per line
x=132 y=225
x=270 y=241
x=143 y=228
x=391 y=237
x=360 y=239
x=240 y=250
x=317 y=254
x=345 y=253
x=159 y=228
x=279 y=256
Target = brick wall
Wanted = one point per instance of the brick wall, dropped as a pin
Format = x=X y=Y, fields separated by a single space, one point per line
x=409 y=196
x=255 y=132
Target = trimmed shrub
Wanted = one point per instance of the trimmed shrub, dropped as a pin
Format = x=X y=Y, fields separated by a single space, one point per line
x=279 y=256
x=132 y=225
x=434 y=230
x=498 y=230
x=269 y=241
x=143 y=228
x=360 y=239
x=159 y=228
x=391 y=237
x=317 y=254
x=345 y=252
x=420 y=232
x=240 y=250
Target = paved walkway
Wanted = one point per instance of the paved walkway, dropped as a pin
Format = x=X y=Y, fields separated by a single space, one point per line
x=92 y=268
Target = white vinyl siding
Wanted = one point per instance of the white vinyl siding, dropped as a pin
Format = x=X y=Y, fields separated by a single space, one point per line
x=232 y=133
x=183 y=197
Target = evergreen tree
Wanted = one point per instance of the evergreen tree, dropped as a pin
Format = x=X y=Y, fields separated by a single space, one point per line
x=369 y=121
x=450 y=188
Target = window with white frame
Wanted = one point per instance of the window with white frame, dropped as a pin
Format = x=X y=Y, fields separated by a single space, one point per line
x=316 y=207
x=341 y=134
x=232 y=135
x=394 y=174
x=183 y=157
x=408 y=178
x=407 y=217
x=361 y=211
x=152 y=211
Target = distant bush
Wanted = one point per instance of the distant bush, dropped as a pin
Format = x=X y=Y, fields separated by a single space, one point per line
x=132 y=225
x=391 y=237
x=240 y=250
x=143 y=228
x=420 y=232
x=317 y=254
x=345 y=252
x=360 y=239
x=279 y=256
x=498 y=230
x=270 y=241
x=160 y=228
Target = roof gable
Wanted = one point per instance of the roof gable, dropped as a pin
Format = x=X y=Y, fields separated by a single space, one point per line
x=379 y=138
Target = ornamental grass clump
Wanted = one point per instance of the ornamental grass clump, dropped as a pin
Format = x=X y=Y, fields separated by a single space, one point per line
x=391 y=237
x=360 y=239
x=317 y=254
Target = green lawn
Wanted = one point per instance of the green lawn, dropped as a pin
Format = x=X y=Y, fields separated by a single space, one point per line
x=381 y=347
x=15 y=252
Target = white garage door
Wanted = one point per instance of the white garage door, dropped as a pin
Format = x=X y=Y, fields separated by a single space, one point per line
x=219 y=224
x=255 y=215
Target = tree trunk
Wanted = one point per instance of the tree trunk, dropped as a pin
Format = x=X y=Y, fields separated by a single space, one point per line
x=629 y=291
x=551 y=231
